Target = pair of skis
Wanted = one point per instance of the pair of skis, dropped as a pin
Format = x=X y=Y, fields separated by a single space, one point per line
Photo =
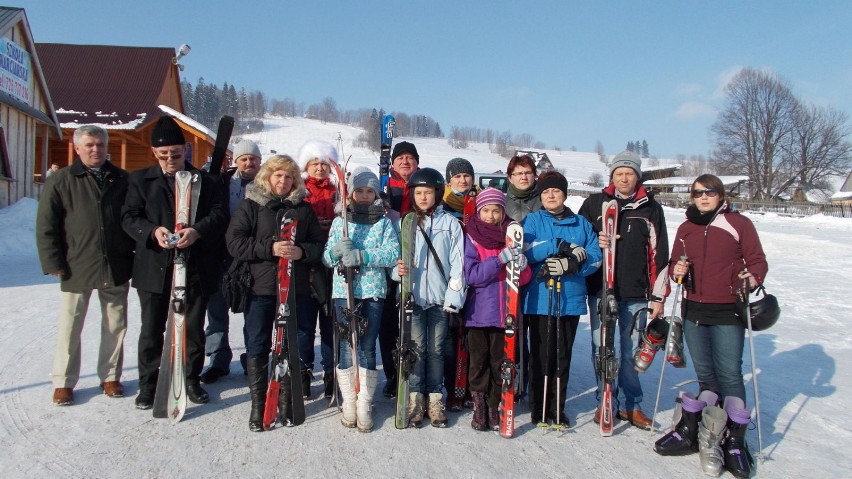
x=512 y=326
x=606 y=363
x=405 y=354
x=388 y=125
x=285 y=364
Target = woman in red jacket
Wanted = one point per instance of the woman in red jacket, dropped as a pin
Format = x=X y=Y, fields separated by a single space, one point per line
x=715 y=251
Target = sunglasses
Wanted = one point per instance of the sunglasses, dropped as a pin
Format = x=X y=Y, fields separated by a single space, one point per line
x=710 y=192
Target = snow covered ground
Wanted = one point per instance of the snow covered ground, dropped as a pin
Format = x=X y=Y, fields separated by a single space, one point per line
x=803 y=395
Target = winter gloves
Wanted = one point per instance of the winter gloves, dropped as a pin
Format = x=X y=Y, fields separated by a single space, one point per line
x=342 y=247
x=566 y=261
x=509 y=253
x=349 y=256
x=571 y=249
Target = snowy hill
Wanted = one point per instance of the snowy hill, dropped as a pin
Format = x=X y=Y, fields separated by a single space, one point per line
x=804 y=392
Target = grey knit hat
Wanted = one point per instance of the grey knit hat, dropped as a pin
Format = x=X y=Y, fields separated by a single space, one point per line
x=457 y=166
x=628 y=159
x=363 y=177
x=246 y=147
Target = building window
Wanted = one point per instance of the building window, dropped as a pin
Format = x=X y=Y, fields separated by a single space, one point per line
x=5 y=169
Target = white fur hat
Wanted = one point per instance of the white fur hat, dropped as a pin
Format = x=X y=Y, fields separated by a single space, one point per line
x=316 y=150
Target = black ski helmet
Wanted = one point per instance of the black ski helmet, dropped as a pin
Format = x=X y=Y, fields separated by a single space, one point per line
x=426 y=177
x=764 y=312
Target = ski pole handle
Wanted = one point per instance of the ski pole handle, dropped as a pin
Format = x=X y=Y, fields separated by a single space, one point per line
x=685 y=260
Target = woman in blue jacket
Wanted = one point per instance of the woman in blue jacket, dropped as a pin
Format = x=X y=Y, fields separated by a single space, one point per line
x=561 y=246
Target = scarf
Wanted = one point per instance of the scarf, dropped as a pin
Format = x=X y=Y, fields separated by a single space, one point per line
x=365 y=214
x=704 y=219
x=522 y=194
x=488 y=235
x=454 y=201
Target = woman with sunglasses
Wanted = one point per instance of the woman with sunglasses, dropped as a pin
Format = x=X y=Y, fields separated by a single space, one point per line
x=714 y=252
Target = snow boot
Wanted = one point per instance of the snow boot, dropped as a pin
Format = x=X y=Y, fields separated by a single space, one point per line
x=738 y=460
x=711 y=431
x=494 y=418
x=389 y=391
x=285 y=404
x=346 y=381
x=674 y=352
x=328 y=384
x=653 y=339
x=369 y=380
x=683 y=438
x=436 y=410
x=256 y=369
x=307 y=377
x=480 y=414
x=415 y=410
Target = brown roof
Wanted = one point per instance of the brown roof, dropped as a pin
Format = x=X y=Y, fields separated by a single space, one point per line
x=114 y=86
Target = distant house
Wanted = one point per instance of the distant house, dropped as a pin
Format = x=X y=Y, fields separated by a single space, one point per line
x=844 y=194
x=27 y=118
x=119 y=88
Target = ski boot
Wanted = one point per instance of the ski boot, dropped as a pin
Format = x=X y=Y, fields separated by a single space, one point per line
x=738 y=460
x=683 y=438
x=653 y=339
x=674 y=351
x=711 y=432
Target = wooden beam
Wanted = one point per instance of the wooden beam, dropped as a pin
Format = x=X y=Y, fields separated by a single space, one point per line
x=124 y=153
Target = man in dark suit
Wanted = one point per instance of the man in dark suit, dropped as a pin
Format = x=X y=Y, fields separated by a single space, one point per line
x=148 y=217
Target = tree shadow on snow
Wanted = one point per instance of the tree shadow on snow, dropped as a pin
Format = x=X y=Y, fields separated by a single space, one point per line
x=787 y=377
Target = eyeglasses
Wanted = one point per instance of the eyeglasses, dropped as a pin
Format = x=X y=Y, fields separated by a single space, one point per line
x=523 y=173
x=710 y=192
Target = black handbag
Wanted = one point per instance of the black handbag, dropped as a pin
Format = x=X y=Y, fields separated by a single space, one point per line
x=236 y=286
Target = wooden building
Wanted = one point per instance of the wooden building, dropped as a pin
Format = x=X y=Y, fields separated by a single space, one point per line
x=118 y=88
x=27 y=118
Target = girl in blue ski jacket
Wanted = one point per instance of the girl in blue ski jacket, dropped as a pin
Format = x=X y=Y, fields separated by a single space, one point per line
x=371 y=246
x=485 y=258
x=560 y=246
x=438 y=287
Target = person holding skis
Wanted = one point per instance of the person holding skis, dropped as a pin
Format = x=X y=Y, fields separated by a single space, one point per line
x=562 y=249
x=321 y=187
x=371 y=245
x=234 y=180
x=80 y=241
x=459 y=197
x=716 y=250
x=405 y=162
x=439 y=289
x=485 y=258
x=148 y=217
x=641 y=259
x=252 y=236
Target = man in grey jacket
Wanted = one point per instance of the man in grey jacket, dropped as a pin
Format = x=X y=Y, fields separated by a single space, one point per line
x=81 y=242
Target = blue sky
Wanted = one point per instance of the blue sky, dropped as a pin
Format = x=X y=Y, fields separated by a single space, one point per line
x=570 y=73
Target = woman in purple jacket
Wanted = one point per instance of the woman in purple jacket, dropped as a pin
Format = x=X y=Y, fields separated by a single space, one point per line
x=485 y=258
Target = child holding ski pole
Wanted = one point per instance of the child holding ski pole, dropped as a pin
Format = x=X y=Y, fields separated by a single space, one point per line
x=371 y=245
x=561 y=246
x=485 y=258
x=438 y=287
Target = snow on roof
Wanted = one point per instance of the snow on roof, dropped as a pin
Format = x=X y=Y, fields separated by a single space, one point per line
x=189 y=121
x=687 y=181
x=648 y=169
x=114 y=125
x=842 y=195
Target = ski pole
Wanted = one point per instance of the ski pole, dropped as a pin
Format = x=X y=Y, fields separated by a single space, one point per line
x=753 y=368
x=559 y=405
x=549 y=345
x=669 y=337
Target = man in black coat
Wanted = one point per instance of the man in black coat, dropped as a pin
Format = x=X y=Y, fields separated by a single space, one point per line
x=80 y=241
x=148 y=217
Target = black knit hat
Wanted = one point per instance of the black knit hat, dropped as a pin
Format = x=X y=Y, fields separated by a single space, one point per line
x=405 y=147
x=552 y=179
x=457 y=166
x=167 y=133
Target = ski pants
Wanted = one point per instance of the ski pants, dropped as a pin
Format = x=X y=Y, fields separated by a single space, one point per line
x=549 y=363
x=486 y=347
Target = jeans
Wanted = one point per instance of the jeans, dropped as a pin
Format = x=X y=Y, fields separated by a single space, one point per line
x=627 y=391
x=217 y=347
x=717 y=355
x=371 y=310
x=259 y=318
x=429 y=332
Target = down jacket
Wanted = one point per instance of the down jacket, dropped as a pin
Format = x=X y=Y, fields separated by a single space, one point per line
x=486 y=294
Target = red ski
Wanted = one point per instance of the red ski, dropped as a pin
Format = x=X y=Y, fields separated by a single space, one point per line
x=514 y=239
x=606 y=365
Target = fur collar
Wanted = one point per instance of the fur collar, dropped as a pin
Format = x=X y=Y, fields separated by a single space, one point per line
x=258 y=195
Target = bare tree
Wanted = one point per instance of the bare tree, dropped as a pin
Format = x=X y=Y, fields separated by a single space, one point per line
x=752 y=130
x=819 y=148
x=596 y=179
x=599 y=149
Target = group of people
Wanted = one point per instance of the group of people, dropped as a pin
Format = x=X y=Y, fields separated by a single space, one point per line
x=456 y=274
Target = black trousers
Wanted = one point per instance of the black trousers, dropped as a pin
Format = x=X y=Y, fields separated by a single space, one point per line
x=389 y=331
x=155 y=311
x=550 y=363
x=486 y=347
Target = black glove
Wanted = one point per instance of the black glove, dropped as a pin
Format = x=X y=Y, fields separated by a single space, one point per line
x=560 y=266
x=571 y=249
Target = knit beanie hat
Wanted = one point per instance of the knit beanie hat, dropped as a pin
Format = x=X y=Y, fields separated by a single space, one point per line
x=490 y=196
x=628 y=159
x=363 y=177
x=552 y=179
x=457 y=166
x=167 y=132
x=317 y=150
x=405 y=147
x=246 y=147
